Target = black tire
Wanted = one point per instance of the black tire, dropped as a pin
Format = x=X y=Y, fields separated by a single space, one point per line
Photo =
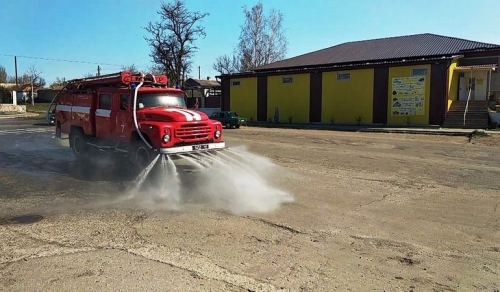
x=237 y=127
x=79 y=144
x=228 y=126
x=141 y=155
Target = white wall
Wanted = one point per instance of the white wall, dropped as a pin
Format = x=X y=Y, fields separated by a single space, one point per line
x=495 y=81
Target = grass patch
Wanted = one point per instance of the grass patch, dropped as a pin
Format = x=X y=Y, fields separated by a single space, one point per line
x=8 y=113
x=477 y=134
x=37 y=108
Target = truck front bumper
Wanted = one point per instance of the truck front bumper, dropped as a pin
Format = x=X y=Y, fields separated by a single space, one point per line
x=193 y=148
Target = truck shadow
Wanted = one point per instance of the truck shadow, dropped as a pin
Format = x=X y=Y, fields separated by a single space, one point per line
x=117 y=169
x=101 y=168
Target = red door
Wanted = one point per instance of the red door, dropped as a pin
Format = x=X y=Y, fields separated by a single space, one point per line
x=123 y=118
x=103 y=116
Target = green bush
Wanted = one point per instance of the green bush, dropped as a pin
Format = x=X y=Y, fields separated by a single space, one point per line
x=5 y=95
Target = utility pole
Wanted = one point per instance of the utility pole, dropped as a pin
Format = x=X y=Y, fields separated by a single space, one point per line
x=32 y=95
x=15 y=65
x=98 y=70
x=199 y=72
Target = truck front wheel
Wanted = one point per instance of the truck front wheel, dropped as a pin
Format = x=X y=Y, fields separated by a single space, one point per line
x=78 y=142
x=141 y=155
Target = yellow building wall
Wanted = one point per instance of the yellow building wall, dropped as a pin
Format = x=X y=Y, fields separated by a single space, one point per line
x=343 y=101
x=406 y=71
x=453 y=79
x=292 y=99
x=243 y=97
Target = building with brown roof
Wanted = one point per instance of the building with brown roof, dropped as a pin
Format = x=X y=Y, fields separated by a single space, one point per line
x=202 y=93
x=422 y=79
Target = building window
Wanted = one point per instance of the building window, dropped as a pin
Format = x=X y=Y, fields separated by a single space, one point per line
x=286 y=80
x=419 y=72
x=343 y=76
x=105 y=101
x=235 y=83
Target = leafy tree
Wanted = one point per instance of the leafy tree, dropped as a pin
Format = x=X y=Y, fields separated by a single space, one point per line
x=3 y=74
x=262 y=41
x=172 y=39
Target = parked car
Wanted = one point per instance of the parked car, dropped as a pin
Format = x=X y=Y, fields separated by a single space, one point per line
x=229 y=119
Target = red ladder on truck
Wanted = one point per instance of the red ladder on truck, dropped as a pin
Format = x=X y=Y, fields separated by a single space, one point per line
x=120 y=79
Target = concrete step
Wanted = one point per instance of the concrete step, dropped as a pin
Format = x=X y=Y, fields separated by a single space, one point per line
x=469 y=117
x=476 y=117
x=467 y=123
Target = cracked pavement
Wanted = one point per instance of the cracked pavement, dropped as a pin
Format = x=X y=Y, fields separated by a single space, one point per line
x=372 y=211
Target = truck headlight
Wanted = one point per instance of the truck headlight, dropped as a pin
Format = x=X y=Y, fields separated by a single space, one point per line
x=217 y=134
x=166 y=138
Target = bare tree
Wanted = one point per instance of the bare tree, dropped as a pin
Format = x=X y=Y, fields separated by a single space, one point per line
x=12 y=79
x=59 y=83
x=132 y=68
x=33 y=75
x=3 y=74
x=172 y=39
x=156 y=69
x=262 y=41
x=226 y=64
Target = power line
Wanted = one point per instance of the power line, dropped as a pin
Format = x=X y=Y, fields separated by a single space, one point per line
x=59 y=60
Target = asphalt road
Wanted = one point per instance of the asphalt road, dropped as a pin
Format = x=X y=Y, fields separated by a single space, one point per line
x=296 y=210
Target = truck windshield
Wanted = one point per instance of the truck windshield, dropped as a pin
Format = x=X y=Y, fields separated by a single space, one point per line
x=161 y=99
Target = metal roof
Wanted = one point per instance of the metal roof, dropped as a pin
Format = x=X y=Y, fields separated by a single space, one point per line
x=484 y=67
x=410 y=46
x=191 y=82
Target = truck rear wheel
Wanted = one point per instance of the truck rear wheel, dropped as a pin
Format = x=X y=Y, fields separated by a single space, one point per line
x=78 y=142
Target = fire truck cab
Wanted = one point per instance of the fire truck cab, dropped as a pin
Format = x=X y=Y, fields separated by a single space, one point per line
x=135 y=114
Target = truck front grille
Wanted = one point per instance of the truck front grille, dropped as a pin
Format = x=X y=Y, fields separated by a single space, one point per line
x=189 y=132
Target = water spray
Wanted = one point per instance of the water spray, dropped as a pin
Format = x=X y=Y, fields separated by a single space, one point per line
x=236 y=180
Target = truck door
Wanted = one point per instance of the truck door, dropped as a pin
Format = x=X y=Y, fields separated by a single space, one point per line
x=123 y=119
x=102 y=116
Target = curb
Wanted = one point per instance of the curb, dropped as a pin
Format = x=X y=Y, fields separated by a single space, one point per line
x=14 y=116
x=422 y=131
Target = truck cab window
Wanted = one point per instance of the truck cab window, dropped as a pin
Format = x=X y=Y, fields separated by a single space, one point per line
x=124 y=101
x=105 y=101
x=161 y=99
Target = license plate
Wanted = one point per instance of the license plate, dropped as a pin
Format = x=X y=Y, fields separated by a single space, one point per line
x=200 y=147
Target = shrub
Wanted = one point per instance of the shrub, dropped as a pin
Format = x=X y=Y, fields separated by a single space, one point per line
x=5 y=95
x=358 y=120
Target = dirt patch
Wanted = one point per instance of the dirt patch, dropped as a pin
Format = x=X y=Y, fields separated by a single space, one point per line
x=22 y=219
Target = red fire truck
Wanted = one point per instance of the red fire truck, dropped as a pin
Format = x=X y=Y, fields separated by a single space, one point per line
x=135 y=114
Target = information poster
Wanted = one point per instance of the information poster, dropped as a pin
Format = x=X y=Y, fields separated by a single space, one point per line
x=408 y=96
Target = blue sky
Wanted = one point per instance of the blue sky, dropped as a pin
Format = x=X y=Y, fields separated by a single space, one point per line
x=110 y=32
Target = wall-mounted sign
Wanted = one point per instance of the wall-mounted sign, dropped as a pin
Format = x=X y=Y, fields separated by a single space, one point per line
x=408 y=96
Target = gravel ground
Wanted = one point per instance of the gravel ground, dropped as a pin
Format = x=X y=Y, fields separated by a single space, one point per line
x=370 y=212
